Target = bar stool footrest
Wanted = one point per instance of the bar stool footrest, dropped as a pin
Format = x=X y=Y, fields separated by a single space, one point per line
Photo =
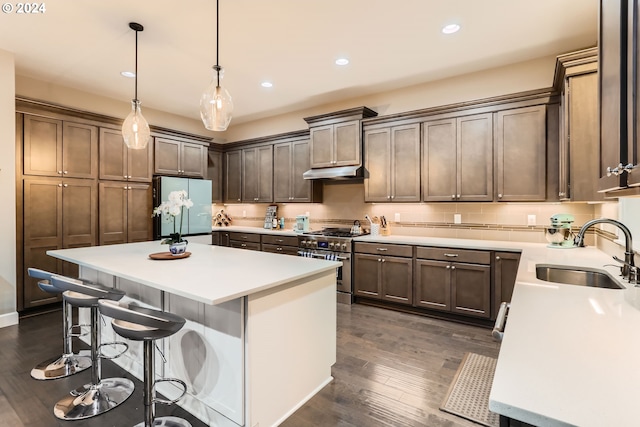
x=170 y=380
x=83 y=332
x=168 y=422
x=113 y=344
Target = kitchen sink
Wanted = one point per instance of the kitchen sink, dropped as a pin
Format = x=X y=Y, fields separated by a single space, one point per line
x=581 y=276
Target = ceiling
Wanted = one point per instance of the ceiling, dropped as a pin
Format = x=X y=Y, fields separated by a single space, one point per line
x=292 y=43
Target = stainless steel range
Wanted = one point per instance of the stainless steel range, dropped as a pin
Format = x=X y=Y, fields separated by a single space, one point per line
x=332 y=244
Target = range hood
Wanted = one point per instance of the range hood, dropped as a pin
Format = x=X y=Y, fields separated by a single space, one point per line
x=340 y=172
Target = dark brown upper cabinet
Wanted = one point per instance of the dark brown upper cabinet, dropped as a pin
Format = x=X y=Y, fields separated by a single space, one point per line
x=59 y=148
x=173 y=157
x=121 y=163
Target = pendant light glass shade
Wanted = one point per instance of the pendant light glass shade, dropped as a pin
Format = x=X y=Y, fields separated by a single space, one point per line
x=135 y=129
x=216 y=105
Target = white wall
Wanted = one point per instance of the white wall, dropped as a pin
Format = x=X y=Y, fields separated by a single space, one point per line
x=8 y=313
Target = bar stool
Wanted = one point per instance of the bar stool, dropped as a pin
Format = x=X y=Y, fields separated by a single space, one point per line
x=68 y=363
x=147 y=325
x=101 y=394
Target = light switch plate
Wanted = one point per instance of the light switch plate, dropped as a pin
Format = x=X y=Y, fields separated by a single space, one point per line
x=457 y=218
x=531 y=220
x=244 y=214
x=396 y=217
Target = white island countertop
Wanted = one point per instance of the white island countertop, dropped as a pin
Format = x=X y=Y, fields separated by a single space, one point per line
x=211 y=275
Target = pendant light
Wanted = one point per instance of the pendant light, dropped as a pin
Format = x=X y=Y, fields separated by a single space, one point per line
x=216 y=105
x=135 y=128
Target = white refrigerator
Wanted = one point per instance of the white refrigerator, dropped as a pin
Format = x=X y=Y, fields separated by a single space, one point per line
x=197 y=219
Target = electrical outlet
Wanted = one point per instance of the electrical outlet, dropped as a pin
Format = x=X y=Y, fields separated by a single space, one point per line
x=531 y=220
x=244 y=214
x=396 y=217
x=457 y=218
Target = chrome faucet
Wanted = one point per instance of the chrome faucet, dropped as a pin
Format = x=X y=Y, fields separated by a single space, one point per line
x=628 y=269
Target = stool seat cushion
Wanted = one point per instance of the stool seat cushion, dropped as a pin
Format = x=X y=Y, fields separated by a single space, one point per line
x=46 y=286
x=140 y=323
x=77 y=299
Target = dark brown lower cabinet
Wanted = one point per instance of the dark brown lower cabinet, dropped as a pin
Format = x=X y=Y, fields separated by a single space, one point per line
x=455 y=287
x=383 y=277
x=57 y=213
x=278 y=244
x=505 y=270
x=125 y=212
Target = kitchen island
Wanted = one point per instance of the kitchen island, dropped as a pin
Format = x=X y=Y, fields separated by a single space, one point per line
x=260 y=337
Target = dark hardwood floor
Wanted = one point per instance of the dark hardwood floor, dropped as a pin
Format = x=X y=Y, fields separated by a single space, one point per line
x=392 y=369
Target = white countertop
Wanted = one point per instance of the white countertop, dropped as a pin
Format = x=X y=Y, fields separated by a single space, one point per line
x=211 y=275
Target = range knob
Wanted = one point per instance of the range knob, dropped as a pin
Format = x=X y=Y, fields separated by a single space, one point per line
x=315 y=244
x=331 y=245
x=344 y=247
x=305 y=243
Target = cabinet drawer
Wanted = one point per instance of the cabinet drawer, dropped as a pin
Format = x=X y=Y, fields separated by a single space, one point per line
x=384 y=249
x=280 y=240
x=244 y=237
x=279 y=249
x=453 y=254
x=248 y=245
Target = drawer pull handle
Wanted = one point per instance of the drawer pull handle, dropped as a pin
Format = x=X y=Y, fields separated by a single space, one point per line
x=450 y=255
x=382 y=249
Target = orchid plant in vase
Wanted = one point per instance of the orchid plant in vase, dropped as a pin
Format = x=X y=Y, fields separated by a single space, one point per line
x=170 y=209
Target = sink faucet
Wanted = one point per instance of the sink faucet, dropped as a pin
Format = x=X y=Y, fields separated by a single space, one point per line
x=628 y=269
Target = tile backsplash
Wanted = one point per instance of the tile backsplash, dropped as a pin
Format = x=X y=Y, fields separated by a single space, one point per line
x=343 y=202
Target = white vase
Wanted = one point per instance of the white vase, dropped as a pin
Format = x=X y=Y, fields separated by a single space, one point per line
x=178 y=248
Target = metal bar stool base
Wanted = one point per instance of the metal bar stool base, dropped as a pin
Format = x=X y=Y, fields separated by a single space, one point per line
x=108 y=394
x=60 y=367
x=167 y=422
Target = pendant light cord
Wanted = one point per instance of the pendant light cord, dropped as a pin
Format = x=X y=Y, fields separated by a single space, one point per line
x=218 y=41
x=136 y=83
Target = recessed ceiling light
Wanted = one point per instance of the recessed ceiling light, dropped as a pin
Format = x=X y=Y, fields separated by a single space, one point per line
x=266 y=84
x=342 y=61
x=129 y=74
x=451 y=28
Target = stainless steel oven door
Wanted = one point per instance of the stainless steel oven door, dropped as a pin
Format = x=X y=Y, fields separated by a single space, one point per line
x=343 y=274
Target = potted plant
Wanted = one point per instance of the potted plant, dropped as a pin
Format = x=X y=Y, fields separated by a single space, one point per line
x=170 y=209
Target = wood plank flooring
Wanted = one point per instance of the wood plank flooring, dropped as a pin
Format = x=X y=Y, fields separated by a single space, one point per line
x=392 y=369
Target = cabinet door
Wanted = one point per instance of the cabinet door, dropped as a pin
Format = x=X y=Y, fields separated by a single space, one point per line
x=233 y=175
x=282 y=172
x=405 y=163
x=214 y=173
x=397 y=279
x=366 y=275
x=79 y=150
x=439 y=161
x=42 y=146
x=265 y=170
x=42 y=204
x=471 y=289
x=475 y=158
x=140 y=163
x=79 y=213
x=167 y=157
x=504 y=278
x=612 y=65
x=113 y=155
x=346 y=145
x=377 y=163
x=521 y=154
x=433 y=285
x=250 y=175
x=193 y=160
x=322 y=146
x=139 y=207
x=112 y=226
x=633 y=94
x=302 y=190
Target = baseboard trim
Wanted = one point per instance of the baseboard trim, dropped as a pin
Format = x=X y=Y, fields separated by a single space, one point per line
x=8 y=319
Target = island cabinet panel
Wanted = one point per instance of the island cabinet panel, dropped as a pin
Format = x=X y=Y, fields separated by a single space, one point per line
x=392 y=161
x=120 y=163
x=59 y=148
x=58 y=213
x=233 y=176
x=124 y=212
x=458 y=159
x=173 y=157
x=521 y=154
x=257 y=174
x=453 y=280
x=384 y=272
